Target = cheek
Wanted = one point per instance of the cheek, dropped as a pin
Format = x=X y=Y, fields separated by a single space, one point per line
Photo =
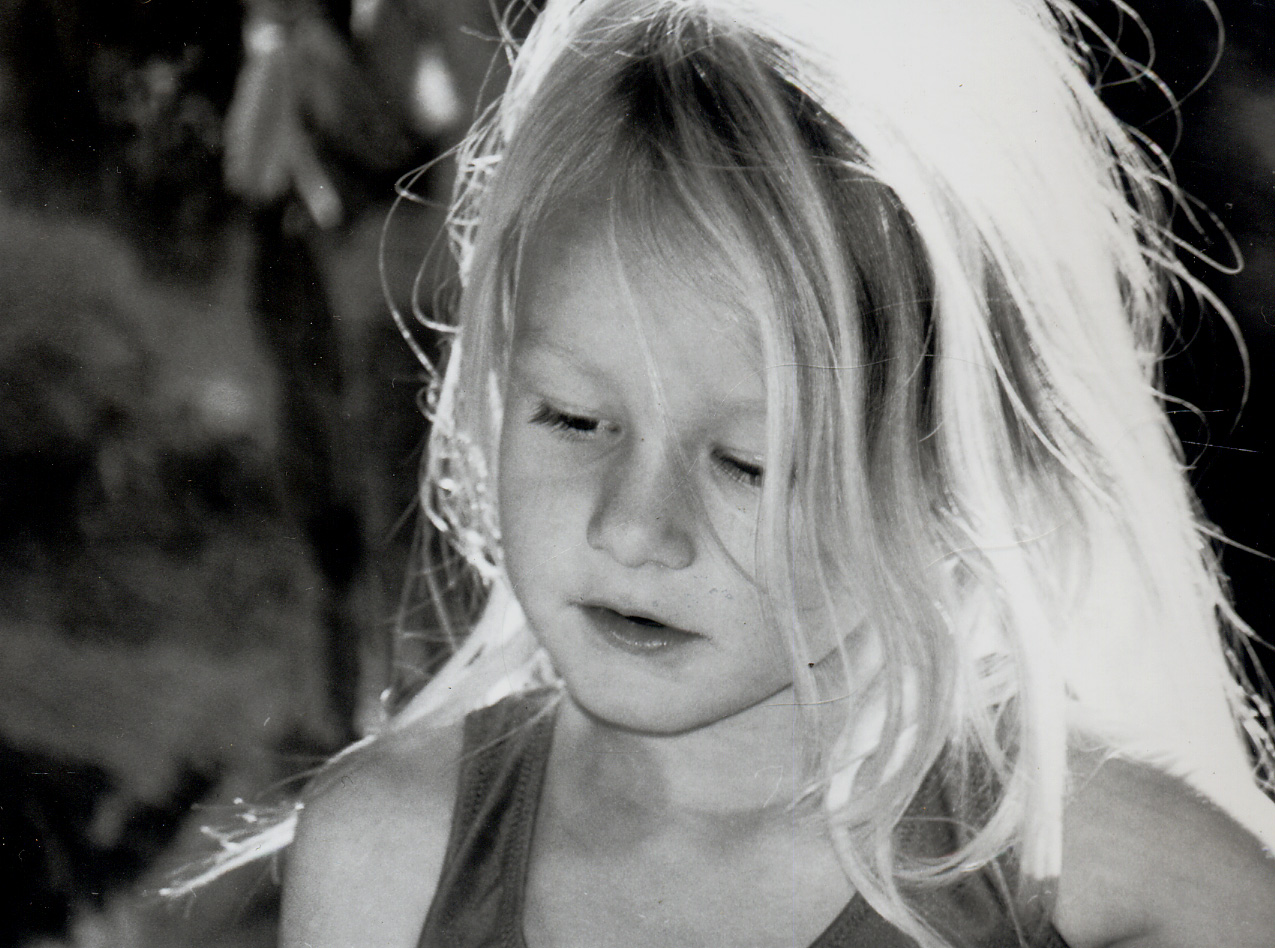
x=735 y=528
x=726 y=523
x=540 y=509
x=820 y=613
x=829 y=618
x=517 y=494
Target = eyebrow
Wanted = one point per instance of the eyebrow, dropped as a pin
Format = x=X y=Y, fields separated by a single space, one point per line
x=540 y=344
x=742 y=406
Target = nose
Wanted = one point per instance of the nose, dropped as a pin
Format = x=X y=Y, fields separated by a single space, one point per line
x=642 y=514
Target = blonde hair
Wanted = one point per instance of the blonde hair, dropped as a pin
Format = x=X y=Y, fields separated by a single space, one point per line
x=973 y=268
x=969 y=257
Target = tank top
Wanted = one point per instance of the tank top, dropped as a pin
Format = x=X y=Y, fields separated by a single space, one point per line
x=479 y=899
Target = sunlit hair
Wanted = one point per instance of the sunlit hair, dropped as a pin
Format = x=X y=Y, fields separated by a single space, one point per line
x=969 y=269
x=966 y=254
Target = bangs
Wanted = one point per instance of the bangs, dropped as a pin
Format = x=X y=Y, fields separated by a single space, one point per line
x=685 y=134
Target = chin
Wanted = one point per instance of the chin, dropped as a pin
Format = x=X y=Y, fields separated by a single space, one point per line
x=644 y=708
x=639 y=717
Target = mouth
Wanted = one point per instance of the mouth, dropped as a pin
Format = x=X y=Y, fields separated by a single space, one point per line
x=637 y=633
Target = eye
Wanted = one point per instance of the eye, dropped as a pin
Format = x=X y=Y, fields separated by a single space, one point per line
x=744 y=472
x=576 y=426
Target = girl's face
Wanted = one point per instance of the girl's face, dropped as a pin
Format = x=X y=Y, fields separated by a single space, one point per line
x=630 y=471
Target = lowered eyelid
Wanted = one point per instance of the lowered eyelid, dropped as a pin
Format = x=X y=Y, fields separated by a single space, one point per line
x=743 y=461
x=548 y=414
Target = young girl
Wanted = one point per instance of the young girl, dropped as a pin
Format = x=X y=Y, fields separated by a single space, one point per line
x=845 y=585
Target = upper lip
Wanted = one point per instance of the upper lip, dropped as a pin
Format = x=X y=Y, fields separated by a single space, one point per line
x=631 y=611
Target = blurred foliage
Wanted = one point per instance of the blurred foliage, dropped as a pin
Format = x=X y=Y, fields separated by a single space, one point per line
x=185 y=505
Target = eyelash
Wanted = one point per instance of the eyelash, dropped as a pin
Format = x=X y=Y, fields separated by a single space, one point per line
x=750 y=475
x=582 y=426
x=576 y=426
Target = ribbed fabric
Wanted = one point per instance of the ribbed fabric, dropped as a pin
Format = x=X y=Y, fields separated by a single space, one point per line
x=479 y=899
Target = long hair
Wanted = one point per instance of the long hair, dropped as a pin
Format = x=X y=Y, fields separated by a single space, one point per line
x=968 y=257
x=969 y=267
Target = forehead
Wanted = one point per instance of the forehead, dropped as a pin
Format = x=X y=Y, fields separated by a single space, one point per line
x=662 y=276
x=629 y=318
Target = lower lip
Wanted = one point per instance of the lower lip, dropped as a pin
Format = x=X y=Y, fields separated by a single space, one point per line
x=638 y=638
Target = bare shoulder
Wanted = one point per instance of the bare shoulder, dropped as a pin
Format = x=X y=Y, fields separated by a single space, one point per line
x=370 y=842
x=1149 y=863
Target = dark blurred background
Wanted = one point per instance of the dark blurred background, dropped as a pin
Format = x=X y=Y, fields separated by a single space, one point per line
x=208 y=427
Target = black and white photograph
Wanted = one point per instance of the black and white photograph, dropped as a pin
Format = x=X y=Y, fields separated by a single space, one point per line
x=637 y=473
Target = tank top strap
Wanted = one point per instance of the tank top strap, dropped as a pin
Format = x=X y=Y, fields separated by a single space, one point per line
x=972 y=912
x=478 y=902
x=861 y=926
